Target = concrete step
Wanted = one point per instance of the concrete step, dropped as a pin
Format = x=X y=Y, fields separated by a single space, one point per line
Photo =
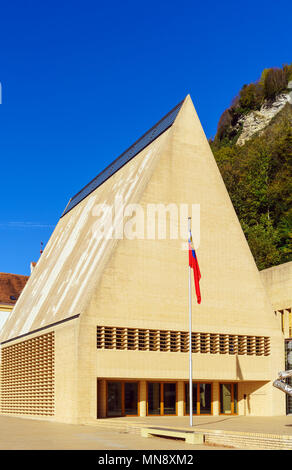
x=189 y=436
x=245 y=440
x=235 y=439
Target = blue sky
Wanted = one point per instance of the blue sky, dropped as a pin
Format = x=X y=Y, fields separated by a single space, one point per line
x=82 y=80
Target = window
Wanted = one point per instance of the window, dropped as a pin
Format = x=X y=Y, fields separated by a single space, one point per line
x=122 y=398
x=214 y=343
x=223 y=344
x=250 y=345
x=174 y=341
x=161 y=398
x=184 y=341
x=153 y=340
x=164 y=341
x=241 y=345
x=232 y=344
x=132 y=339
x=202 y=398
x=228 y=398
x=205 y=343
x=142 y=340
x=178 y=341
x=120 y=338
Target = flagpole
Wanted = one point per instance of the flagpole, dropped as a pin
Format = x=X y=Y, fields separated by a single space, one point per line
x=190 y=340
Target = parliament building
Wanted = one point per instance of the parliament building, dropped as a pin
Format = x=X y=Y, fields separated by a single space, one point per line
x=101 y=326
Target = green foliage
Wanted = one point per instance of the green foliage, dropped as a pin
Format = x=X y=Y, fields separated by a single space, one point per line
x=251 y=97
x=288 y=72
x=258 y=177
x=263 y=76
x=275 y=82
x=224 y=124
x=285 y=233
x=263 y=240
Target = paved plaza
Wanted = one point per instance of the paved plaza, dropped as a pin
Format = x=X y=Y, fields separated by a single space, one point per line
x=30 y=434
x=279 y=425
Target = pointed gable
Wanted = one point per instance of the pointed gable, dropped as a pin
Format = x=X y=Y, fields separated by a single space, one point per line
x=144 y=281
x=61 y=284
x=152 y=274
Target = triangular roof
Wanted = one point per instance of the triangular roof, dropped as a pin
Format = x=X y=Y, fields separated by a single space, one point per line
x=78 y=273
x=52 y=294
x=144 y=141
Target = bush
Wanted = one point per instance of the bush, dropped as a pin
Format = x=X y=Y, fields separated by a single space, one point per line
x=223 y=124
x=263 y=76
x=263 y=239
x=288 y=72
x=275 y=82
x=251 y=96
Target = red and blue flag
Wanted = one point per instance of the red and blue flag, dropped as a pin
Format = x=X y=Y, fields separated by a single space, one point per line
x=193 y=263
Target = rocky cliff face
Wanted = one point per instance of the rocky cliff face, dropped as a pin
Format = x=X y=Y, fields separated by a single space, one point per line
x=256 y=121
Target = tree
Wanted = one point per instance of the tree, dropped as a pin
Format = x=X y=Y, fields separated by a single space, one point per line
x=251 y=96
x=263 y=239
x=275 y=82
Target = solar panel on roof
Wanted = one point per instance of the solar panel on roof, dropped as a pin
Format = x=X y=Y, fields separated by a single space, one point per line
x=125 y=157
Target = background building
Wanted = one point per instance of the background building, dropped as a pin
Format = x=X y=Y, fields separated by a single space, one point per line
x=278 y=282
x=11 y=286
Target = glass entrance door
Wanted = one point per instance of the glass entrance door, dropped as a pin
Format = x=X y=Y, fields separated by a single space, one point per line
x=228 y=398
x=154 y=398
x=205 y=402
x=131 y=398
x=169 y=399
x=114 y=399
x=122 y=398
x=187 y=399
x=161 y=398
x=202 y=398
x=225 y=398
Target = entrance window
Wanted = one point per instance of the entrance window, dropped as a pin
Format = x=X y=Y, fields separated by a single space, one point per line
x=169 y=394
x=228 y=398
x=161 y=398
x=114 y=399
x=202 y=398
x=205 y=399
x=187 y=400
x=131 y=398
x=154 y=398
x=122 y=399
x=288 y=365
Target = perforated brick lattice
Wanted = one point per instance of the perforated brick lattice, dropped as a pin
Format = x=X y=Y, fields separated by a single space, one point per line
x=27 y=377
x=178 y=341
